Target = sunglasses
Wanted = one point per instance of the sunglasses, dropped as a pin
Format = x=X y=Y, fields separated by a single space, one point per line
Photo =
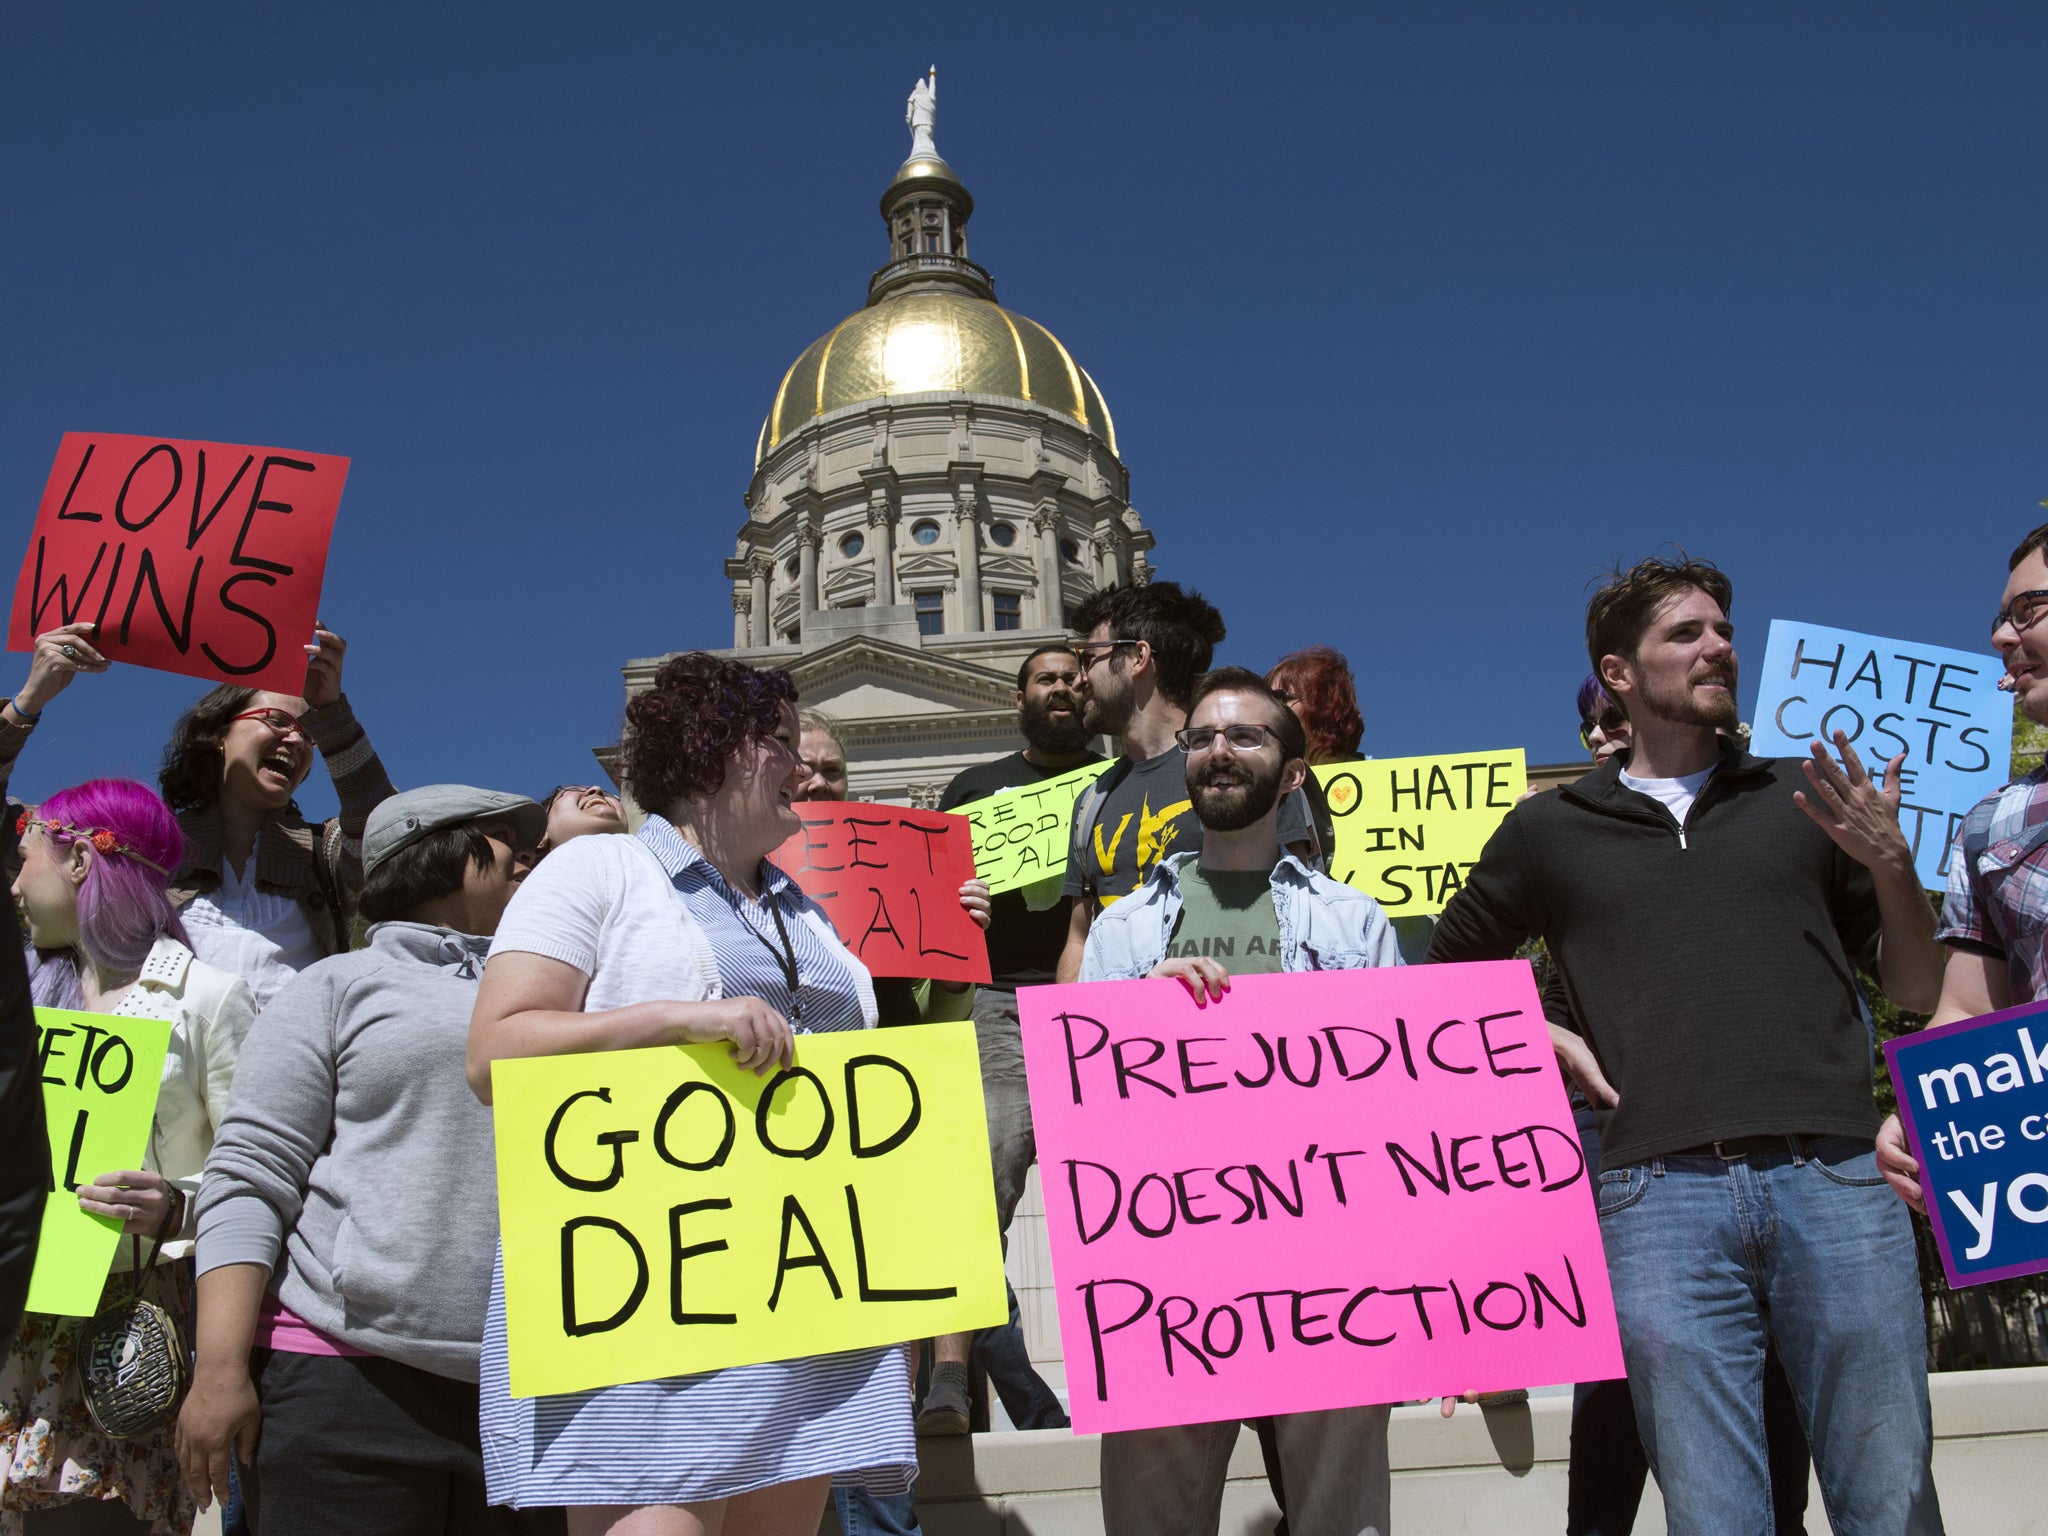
x=1609 y=722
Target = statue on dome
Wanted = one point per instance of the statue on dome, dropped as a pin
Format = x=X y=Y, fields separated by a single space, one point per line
x=921 y=113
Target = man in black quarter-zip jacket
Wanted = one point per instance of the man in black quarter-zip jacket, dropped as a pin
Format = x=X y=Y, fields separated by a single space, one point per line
x=1706 y=910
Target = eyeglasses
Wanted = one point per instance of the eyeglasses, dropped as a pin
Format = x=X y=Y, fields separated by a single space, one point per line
x=281 y=721
x=103 y=840
x=1239 y=738
x=2022 y=613
x=1609 y=722
x=1091 y=654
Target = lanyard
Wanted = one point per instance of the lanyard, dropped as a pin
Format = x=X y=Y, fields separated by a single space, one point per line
x=784 y=957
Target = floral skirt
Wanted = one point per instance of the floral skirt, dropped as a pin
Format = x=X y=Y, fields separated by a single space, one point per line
x=52 y=1453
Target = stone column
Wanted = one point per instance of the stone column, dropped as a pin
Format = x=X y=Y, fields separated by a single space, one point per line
x=809 y=540
x=882 y=528
x=1051 y=603
x=967 y=517
x=1105 y=559
x=742 y=605
x=757 y=626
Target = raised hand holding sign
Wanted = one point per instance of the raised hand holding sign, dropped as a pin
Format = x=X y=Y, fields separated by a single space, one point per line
x=191 y=557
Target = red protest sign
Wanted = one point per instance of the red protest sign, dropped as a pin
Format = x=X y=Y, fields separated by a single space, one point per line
x=200 y=558
x=890 y=881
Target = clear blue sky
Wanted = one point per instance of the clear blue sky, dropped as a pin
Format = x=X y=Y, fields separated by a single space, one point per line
x=1411 y=316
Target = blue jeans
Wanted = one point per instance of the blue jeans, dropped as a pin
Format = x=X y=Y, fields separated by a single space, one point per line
x=874 y=1514
x=1708 y=1256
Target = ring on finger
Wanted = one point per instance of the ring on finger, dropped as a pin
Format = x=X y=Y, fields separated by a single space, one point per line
x=70 y=653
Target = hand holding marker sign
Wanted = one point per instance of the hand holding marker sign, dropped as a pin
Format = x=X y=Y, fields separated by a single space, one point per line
x=1409 y=829
x=665 y=1212
x=1974 y=1099
x=101 y=1076
x=1327 y=1189
x=199 y=558
x=1940 y=708
x=890 y=880
x=1020 y=835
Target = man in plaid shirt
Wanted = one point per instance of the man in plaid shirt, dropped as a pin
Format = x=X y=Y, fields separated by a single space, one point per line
x=1995 y=918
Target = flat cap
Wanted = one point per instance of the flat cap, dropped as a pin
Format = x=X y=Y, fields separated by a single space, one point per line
x=406 y=818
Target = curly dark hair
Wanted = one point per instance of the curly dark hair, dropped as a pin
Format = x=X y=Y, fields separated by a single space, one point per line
x=686 y=728
x=1619 y=614
x=1320 y=679
x=193 y=763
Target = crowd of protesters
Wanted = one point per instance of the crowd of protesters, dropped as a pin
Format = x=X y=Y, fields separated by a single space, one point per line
x=318 y=1194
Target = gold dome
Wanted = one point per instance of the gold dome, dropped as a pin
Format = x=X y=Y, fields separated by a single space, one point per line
x=926 y=342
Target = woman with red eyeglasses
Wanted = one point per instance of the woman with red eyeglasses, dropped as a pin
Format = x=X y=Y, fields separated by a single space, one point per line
x=263 y=893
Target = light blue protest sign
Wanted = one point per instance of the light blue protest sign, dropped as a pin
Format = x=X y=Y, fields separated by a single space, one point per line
x=1941 y=708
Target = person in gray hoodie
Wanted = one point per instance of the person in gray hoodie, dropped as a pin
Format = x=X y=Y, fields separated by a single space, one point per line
x=347 y=1218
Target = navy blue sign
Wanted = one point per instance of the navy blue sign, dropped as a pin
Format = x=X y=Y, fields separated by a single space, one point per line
x=1974 y=1098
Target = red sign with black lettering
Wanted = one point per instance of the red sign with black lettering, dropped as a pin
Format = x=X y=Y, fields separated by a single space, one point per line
x=890 y=880
x=200 y=558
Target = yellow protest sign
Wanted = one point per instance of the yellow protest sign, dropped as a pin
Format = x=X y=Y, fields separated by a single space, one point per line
x=101 y=1075
x=665 y=1213
x=1020 y=835
x=1409 y=829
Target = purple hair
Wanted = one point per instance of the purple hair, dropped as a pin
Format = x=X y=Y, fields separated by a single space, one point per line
x=122 y=905
x=1593 y=699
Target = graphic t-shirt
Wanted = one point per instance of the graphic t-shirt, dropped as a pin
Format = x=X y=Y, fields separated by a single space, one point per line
x=1227 y=915
x=1028 y=926
x=1146 y=816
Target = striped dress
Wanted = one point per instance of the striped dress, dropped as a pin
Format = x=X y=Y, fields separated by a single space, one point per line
x=609 y=905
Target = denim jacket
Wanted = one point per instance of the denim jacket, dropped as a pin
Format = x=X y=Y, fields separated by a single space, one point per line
x=1324 y=926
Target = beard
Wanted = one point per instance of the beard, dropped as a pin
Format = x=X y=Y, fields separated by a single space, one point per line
x=1230 y=797
x=1106 y=707
x=1057 y=736
x=1686 y=705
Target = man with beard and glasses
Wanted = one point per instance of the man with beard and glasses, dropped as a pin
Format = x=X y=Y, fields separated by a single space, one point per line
x=1242 y=904
x=1706 y=913
x=1027 y=928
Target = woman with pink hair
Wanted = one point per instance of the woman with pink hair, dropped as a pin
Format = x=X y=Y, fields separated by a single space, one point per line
x=104 y=938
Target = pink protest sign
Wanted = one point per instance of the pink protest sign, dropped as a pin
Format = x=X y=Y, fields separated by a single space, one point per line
x=1328 y=1189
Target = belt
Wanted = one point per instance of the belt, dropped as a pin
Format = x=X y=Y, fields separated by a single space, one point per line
x=1745 y=1146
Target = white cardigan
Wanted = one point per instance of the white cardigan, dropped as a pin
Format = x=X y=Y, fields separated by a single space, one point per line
x=209 y=1012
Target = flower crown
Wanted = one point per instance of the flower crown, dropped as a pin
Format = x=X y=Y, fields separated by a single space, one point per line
x=103 y=841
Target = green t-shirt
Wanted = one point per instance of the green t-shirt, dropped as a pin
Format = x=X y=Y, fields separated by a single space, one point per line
x=1228 y=916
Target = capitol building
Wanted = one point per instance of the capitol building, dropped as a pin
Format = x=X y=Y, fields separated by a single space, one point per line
x=936 y=485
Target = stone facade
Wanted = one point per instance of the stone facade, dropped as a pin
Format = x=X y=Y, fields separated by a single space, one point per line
x=935 y=487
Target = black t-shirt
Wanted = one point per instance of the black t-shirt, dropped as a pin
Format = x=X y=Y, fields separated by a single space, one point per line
x=1023 y=945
